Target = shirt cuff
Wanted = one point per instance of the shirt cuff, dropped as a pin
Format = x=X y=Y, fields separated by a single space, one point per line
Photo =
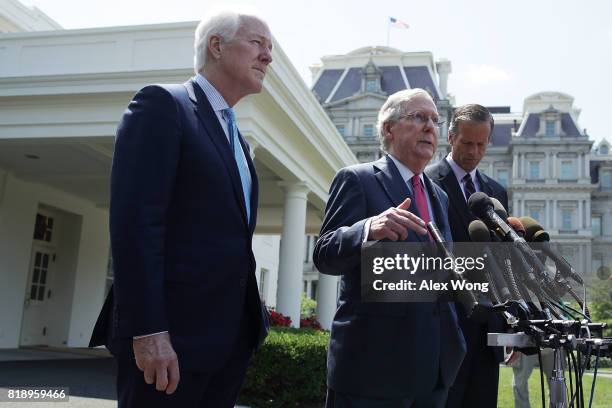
x=366 y=229
x=148 y=335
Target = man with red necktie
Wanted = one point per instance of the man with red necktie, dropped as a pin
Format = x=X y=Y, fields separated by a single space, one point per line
x=383 y=354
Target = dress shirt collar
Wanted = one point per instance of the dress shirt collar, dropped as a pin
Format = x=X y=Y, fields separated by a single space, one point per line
x=459 y=172
x=405 y=172
x=217 y=101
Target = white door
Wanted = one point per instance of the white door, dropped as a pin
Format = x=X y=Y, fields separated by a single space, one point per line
x=38 y=291
x=34 y=328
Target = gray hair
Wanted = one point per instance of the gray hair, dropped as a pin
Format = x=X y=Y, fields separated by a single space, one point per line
x=393 y=108
x=470 y=113
x=224 y=24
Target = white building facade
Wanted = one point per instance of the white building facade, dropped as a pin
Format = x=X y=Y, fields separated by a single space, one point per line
x=62 y=93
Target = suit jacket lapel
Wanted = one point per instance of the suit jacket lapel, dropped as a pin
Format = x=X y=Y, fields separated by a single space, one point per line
x=455 y=194
x=436 y=206
x=210 y=121
x=391 y=181
x=484 y=184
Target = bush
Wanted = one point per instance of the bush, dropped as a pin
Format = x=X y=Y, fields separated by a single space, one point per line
x=278 y=319
x=310 y=323
x=288 y=370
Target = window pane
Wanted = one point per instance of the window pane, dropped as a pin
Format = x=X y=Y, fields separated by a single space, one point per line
x=606 y=179
x=596 y=225
x=37 y=259
x=567 y=169
x=33 y=291
x=340 y=129
x=550 y=128
x=35 y=275
x=566 y=219
x=43 y=277
x=371 y=85
x=534 y=170
x=45 y=261
x=368 y=130
x=40 y=226
x=41 y=293
x=502 y=177
x=535 y=214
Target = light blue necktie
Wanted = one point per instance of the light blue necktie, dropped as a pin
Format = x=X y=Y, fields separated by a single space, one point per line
x=243 y=169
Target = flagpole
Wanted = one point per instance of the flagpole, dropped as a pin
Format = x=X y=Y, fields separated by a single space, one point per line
x=388 y=30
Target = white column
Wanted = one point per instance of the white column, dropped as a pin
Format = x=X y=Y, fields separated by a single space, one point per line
x=515 y=166
x=551 y=161
x=291 y=262
x=580 y=216
x=327 y=293
x=555 y=215
x=586 y=171
x=587 y=211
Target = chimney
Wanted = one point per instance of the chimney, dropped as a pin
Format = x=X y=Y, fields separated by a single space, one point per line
x=444 y=68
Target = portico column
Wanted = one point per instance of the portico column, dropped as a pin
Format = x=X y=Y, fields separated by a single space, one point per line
x=291 y=262
x=327 y=293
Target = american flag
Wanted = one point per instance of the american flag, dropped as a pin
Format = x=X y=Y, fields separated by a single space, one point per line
x=394 y=22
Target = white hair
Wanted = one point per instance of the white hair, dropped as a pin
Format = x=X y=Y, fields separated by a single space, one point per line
x=223 y=23
x=393 y=108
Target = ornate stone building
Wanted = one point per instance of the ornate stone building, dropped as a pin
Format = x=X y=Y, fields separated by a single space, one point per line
x=540 y=154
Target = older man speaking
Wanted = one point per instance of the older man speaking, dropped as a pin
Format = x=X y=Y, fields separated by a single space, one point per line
x=383 y=354
x=184 y=315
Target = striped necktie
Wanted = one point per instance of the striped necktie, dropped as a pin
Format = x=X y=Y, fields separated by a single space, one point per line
x=468 y=186
x=243 y=169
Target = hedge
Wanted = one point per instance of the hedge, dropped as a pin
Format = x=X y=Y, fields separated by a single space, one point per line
x=288 y=370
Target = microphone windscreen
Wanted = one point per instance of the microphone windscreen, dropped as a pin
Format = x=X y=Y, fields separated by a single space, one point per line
x=479 y=232
x=517 y=225
x=479 y=203
x=541 y=236
x=499 y=208
x=531 y=227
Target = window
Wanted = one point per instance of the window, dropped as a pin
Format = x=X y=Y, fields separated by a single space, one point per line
x=606 y=179
x=550 y=128
x=314 y=290
x=502 y=177
x=371 y=85
x=566 y=220
x=534 y=170
x=567 y=170
x=368 y=130
x=596 y=225
x=43 y=229
x=604 y=149
x=535 y=214
x=341 y=129
x=263 y=277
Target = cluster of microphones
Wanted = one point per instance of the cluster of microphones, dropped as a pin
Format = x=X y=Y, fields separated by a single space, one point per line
x=528 y=279
x=517 y=273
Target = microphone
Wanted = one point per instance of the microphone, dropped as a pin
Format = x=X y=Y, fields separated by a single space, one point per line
x=499 y=208
x=475 y=309
x=482 y=207
x=479 y=232
x=517 y=226
x=537 y=234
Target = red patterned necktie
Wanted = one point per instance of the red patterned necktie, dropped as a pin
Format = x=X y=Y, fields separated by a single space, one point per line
x=420 y=199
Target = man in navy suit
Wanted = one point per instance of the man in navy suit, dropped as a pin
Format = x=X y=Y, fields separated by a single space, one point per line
x=384 y=354
x=184 y=315
x=469 y=134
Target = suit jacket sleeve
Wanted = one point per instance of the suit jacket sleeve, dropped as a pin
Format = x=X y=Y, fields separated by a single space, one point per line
x=143 y=173
x=338 y=249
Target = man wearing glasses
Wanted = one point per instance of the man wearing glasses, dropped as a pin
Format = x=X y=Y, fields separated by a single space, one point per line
x=469 y=134
x=388 y=354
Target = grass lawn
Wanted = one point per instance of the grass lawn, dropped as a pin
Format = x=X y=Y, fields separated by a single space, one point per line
x=602 y=398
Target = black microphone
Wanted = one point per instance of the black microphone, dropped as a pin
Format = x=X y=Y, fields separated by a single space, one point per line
x=482 y=207
x=535 y=233
x=479 y=232
x=476 y=310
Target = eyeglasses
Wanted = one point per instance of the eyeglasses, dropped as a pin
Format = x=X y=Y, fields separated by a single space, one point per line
x=421 y=119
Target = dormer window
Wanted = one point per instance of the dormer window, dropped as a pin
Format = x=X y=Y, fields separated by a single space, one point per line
x=550 y=123
x=371 y=85
x=550 y=128
x=604 y=149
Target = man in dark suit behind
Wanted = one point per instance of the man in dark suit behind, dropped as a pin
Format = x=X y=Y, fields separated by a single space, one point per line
x=382 y=354
x=184 y=314
x=469 y=134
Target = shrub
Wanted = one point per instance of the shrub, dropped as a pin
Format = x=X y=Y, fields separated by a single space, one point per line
x=278 y=319
x=288 y=370
x=310 y=323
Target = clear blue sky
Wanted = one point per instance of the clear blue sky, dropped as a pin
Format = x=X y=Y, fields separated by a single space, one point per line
x=501 y=51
